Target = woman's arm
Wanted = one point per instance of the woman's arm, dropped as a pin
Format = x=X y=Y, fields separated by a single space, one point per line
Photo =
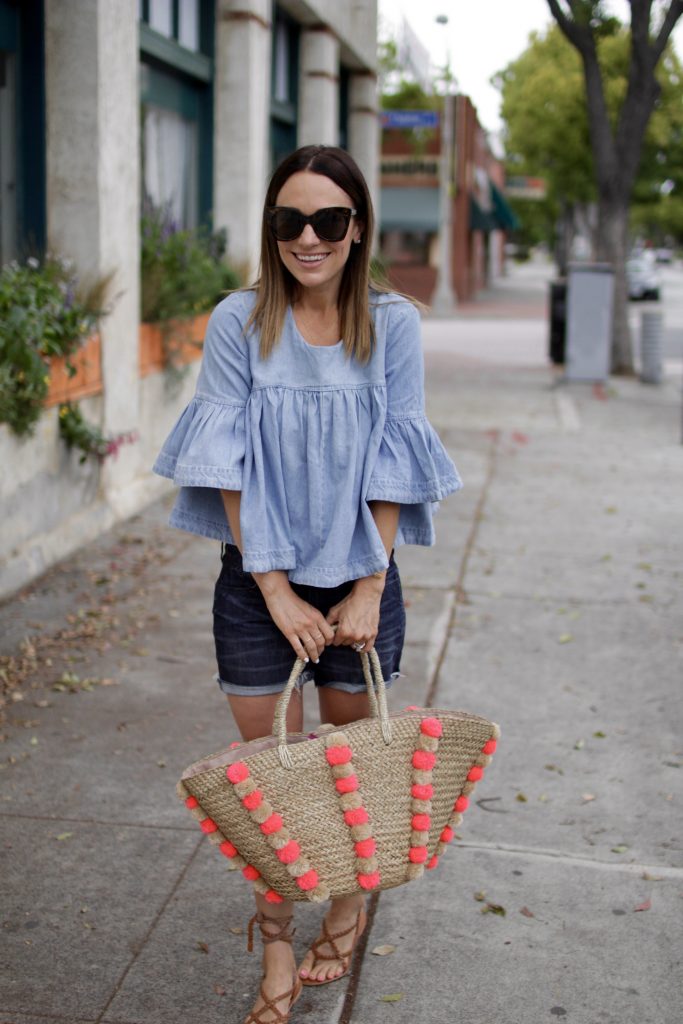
x=304 y=626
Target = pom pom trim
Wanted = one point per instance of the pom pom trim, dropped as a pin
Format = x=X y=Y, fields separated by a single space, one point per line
x=339 y=756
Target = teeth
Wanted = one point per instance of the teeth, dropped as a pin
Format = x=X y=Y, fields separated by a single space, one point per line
x=311 y=259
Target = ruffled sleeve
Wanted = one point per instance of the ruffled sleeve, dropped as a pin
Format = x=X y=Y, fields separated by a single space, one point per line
x=206 y=447
x=412 y=465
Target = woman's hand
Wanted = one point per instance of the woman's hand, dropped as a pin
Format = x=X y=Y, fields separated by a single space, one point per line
x=303 y=625
x=357 y=616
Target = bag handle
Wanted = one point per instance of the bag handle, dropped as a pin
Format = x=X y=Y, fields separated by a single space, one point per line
x=377 y=695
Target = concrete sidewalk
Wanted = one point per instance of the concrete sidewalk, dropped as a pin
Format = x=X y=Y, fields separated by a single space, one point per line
x=553 y=603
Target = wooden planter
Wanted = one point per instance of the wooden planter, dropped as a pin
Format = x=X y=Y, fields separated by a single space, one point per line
x=176 y=343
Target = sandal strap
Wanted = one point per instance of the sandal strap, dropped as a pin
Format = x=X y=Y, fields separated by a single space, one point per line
x=284 y=932
x=255 y=1017
x=328 y=938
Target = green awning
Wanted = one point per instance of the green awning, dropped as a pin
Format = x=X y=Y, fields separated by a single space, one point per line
x=480 y=219
x=409 y=209
x=502 y=211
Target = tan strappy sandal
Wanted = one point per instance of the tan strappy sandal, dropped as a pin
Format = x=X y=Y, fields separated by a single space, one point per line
x=329 y=938
x=284 y=933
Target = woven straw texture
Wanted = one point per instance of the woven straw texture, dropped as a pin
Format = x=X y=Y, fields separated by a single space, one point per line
x=312 y=810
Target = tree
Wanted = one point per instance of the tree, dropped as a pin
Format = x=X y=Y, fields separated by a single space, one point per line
x=617 y=145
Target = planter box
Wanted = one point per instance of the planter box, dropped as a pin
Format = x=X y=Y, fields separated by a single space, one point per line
x=177 y=343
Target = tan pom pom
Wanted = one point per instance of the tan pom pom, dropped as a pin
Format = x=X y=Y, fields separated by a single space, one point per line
x=337 y=739
x=366 y=865
x=440 y=847
x=216 y=838
x=262 y=813
x=418 y=838
x=421 y=806
x=484 y=760
x=430 y=743
x=198 y=813
x=244 y=788
x=414 y=871
x=278 y=839
x=343 y=771
x=467 y=788
x=350 y=801
x=261 y=886
x=236 y=863
x=359 y=832
x=319 y=894
x=421 y=778
x=299 y=867
x=455 y=820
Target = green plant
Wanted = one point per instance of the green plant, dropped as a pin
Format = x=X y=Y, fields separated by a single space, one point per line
x=76 y=432
x=183 y=272
x=43 y=313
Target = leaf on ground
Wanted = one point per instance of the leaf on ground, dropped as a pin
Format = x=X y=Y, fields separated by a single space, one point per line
x=647 y=877
x=525 y=912
x=579 y=745
x=586 y=798
x=521 y=798
x=480 y=896
x=611 y=510
x=553 y=768
x=600 y=735
x=63 y=835
x=219 y=990
x=565 y=638
x=237 y=931
x=383 y=950
x=642 y=906
x=202 y=947
x=494 y=908
x=621 y=848
x=395 y=997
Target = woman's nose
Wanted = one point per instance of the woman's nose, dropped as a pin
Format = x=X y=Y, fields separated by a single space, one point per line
x=308 y=235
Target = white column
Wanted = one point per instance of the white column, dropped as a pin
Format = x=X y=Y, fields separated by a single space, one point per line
x=241 y=125
x=91 y=60
x=318 y=121
x=364 y=132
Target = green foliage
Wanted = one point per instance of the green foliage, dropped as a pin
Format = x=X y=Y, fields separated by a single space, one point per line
x=76 y=432
x=546 y=121
x=42 y=314
x=183 y=272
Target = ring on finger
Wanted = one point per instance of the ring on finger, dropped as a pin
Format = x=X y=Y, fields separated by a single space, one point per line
x=358 y=647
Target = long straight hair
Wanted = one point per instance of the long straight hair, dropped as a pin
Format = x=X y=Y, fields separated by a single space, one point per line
x=276 y=288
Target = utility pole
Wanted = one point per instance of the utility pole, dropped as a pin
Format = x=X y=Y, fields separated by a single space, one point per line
x=444 y=302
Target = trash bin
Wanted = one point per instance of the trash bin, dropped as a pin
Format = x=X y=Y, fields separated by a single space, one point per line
x=590 y=300
x=558 y=320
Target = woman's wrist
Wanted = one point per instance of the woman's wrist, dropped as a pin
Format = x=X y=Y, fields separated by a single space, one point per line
x=269 y=583
x=373 y=584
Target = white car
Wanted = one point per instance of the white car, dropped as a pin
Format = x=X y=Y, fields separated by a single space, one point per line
x=642 y=278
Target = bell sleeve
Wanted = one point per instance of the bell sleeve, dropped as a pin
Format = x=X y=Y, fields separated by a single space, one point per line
x=206 y=447
x=412 y=465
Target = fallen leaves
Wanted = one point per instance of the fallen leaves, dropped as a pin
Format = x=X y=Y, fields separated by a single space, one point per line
x=395 y=997
x=565 y=638
x=647 y=905
x=525 y=912
x=383 y=950
x=620 y=848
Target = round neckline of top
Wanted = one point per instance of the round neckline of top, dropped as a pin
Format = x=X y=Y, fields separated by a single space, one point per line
x=308 y=344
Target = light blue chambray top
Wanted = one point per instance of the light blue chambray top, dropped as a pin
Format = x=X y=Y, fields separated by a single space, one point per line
x=309 y=436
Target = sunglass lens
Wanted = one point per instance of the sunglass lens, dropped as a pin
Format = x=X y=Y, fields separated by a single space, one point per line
x=331 y=225
x=287 y=224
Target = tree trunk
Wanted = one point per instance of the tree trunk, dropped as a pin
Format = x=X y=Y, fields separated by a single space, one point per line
x=612 y=247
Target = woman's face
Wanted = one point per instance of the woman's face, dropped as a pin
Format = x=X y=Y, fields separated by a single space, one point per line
x=313 y=262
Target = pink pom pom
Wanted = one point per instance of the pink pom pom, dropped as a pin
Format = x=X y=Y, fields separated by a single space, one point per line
x=227 y=849
x=366 y=848
x=271 y=825
x=289 y=853
x=424 y=760
x=417 y=854
x=236 y=743
x=273 y=897
x=422 y=792
x=461 y=804
x=432 y=863
x=412 y=707
x=253 y=800
x=338 y=755
x=347 y=785
x=447 y=834
x=309 y=880
x=251 y=873
x=370 y=881
x=475 y=774
x=356 y=816
x=431 y=727
x=237 y=772
x=208 y=825
x=192 y=802
x=489 y=747
x=421 y=822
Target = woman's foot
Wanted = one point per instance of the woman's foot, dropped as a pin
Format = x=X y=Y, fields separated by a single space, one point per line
x=280 y=987
x=329 y=958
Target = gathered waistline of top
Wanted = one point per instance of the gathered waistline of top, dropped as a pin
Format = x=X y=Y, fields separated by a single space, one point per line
x=339 y=386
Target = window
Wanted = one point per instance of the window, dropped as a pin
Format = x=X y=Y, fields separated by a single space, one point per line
x=176 y=92
x=22 y=129
x=284 y=87
x=344 y=85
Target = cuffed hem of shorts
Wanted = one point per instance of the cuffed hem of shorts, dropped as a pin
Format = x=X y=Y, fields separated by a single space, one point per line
x=235 y=690
x=356 y=687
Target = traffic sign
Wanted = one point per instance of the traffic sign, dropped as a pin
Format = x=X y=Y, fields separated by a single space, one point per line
x=409 y=119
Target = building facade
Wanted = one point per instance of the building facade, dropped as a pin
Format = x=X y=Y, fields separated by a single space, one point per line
x=189 y=105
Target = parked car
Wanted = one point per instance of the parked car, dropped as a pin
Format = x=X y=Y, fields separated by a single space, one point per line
x=642 y=278
x=664 y=255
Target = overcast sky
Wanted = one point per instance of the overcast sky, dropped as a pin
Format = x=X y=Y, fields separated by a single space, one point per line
x=482 y=38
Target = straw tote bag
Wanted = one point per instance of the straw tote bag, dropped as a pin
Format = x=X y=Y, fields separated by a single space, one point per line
x=339 y=811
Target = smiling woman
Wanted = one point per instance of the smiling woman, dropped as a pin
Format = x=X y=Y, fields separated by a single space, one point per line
x=307 y=451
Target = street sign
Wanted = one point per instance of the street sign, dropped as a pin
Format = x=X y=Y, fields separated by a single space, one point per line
x=409 y=118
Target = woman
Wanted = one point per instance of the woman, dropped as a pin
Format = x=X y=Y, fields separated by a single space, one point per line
x=307 y=452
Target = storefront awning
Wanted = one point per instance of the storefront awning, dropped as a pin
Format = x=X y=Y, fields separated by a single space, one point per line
x=409 y=209
x=480 y=219
x=502 y=211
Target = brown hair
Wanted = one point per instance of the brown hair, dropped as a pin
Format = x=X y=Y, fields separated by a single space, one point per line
x=276 y=287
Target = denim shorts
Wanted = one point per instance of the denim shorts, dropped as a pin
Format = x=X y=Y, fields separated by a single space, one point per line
x=253 y=656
